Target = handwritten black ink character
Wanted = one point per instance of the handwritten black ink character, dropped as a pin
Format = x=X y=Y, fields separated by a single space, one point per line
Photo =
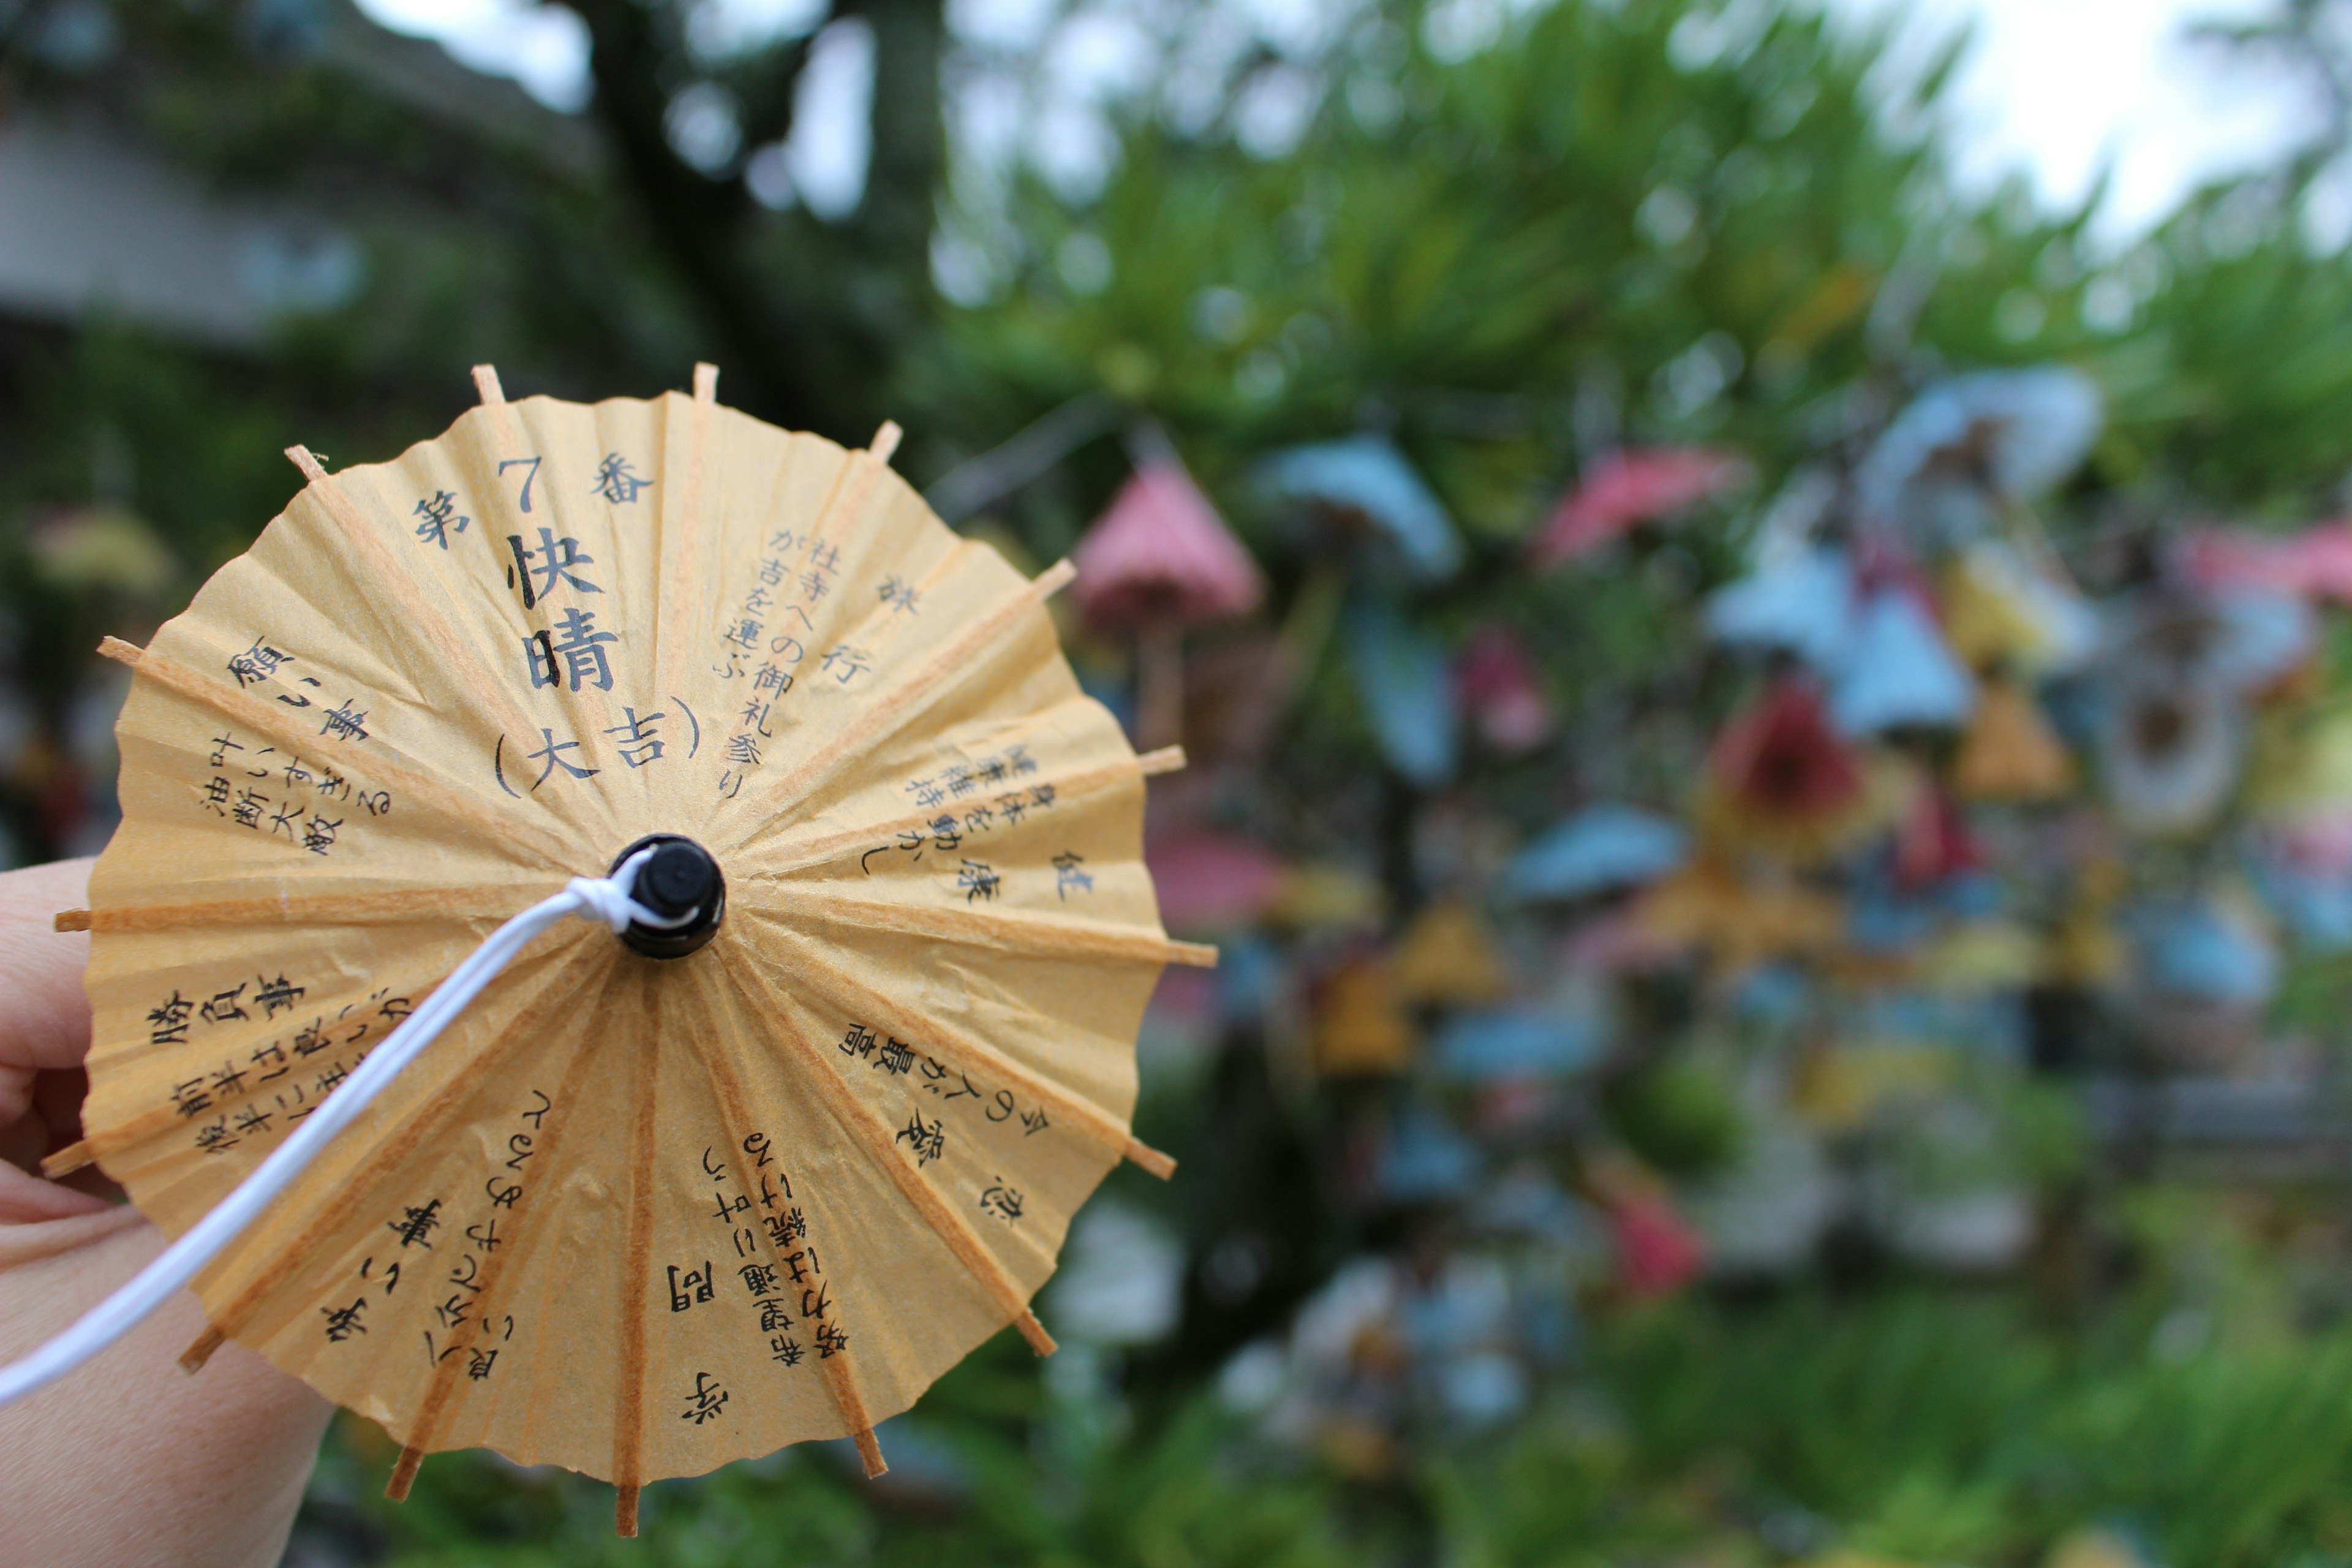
x=272 y=1053
x=1012 y=807
x=744 y=634
x=246 y=808
x=502 y=1193
x=530 y=472
x=778 y=645
x=287 y=820
x=638 y=744
x=478 y=1364
x=214 y=1138
x=297 y=775
x=747 y=1243
x=1068 y=878
x=534 y=1116
x=416 y=1223
x=1001 y=1201
x=455 y=1312
x=319 y=834
x=615 y=482
x=312 y=1038
x=263 y=772
x=1033 y=1122
x=799 y=1266
x=467 y=1275
x=553 y=562
x=299 y=1108
x=330 y=1079
x=978 y=819
x=1000 y=1107
x=730 y=784
x=258 y=663
x=755 y=715
x=552 y=750
x=927 y=1140
x=989 y=770
x=743 y=751
x=689 y=1286
x=773 y=1317
x=275 y=996
x=190 y=1098
x=1018 y=759
x=716 y=1173
x=167 y=1024
x=756 y=1145
x=859 y=1041
x=578 y=645
x=485 y=1235
x=1041 y=795
x=728 y=1209
x=898 y=1057
x=378 y=801
x=815 y=1302
x=899 y=595
x=229 y=1080
x=438 y=518
x=332 y=783
x=214 y=798
x=966 y=1092
x=706 y=1402
x=959 y=780
x=945 y=832
x=222 y=747
x=758 y=602
x=830 y=1340
x=785 y=1350
x=758 y=1278
x=344 y=722
x=978 y=882
x=845 y=663
x=771 y=568
x=391 y=1275
x=342 y=1323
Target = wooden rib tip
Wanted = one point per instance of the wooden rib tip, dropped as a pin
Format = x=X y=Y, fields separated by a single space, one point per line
x=302 y=458
x=885 y=441
x=869 y=1453
x=404 y=1473
x=705 y=383
x=1035 y=1333
x=1193 y=954
x=200 y=1350
x=1054 y=578
x=75 y=1156
x=624 y=1509
x=1150 y=1159
x=121 y=652
x=486 y=384
x=1166 y=760
x=69 y=920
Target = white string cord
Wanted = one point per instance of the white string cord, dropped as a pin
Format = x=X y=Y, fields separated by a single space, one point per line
x=605 y=899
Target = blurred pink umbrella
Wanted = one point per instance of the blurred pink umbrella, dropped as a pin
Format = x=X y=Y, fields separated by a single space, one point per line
x=2316 y=563
x=1627 y=489
x=1208 y=880
x=1159 y=560
x=1498 y=685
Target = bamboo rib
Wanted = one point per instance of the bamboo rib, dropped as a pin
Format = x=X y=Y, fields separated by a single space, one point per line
x=481 y=901
x=629 y=1418
x=230 y=703
x=896 y=705
x=494 y=398
x=841 y=1379
x=1166 y=760
x=866 y=1004
x=467 y=681
x=873 y=1140
x=818 y=851
x=680 y=566
x=397 y=1144
x=1006 y=931
x=70 y=919
x=445 y=1386
x=80 y=1154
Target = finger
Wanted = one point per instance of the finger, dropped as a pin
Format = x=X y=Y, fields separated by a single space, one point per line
x=46 y=1023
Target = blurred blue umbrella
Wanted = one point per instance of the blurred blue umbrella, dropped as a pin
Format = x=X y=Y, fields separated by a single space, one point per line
x=1971 y=444
x=1516 y=1042
x=1804 y=605
x=1601 y=846
x=1426 y=1161
x=1367 y=477
x=1405 y=682
x=2202 y=951
x=1896 y=671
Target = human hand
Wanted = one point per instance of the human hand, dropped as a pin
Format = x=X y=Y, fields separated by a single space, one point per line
x=126 y=1461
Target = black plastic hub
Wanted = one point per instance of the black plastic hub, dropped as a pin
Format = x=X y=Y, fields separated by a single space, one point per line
x=680 y=878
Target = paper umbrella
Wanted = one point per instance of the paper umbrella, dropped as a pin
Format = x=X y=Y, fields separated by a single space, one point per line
x=762 y=1160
